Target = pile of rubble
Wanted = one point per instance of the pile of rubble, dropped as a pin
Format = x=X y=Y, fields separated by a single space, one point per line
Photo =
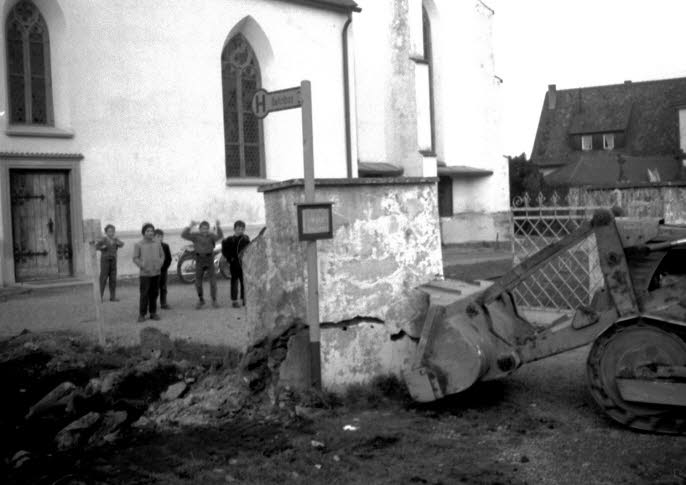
x=253 y=391
x=65 y=395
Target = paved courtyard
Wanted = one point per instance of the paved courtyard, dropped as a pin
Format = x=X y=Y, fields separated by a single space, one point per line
x=71 y=309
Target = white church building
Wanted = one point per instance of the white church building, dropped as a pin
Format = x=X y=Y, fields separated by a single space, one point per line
x=130 y=111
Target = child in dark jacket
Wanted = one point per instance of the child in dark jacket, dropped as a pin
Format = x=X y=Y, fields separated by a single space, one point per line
x=231 y=250
x=148 y=256
x=159 y=237
x=204 y=242
x=108 y=245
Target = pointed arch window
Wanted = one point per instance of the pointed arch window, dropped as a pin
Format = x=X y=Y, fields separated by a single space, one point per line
x=28 y=66
x=243 y=138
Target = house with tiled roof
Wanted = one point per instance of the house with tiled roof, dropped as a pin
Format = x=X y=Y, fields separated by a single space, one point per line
x=632 y=132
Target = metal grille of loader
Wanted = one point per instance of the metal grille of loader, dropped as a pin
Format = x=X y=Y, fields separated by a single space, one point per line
x=567 y=281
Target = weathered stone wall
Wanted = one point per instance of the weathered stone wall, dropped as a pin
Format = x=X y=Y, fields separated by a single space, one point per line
x=666 y=201
x=386 y=242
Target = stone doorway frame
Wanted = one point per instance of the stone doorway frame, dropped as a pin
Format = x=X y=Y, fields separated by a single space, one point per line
x=69 y=162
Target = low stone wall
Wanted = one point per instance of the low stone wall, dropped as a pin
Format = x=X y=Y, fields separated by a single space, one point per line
x=664 y=200
x=386 y=243
x=465 y=228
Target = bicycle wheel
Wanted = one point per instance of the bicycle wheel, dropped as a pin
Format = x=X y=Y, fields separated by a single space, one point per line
x=224 y=268
x=185 y=269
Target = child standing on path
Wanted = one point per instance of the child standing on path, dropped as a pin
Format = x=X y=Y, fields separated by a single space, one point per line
x=204 y=242
x=159 y=237
x=231 y=250
x=148 y=256
x=108 y=246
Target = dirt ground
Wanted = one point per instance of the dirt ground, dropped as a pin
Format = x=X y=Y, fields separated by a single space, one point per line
x=537 y=427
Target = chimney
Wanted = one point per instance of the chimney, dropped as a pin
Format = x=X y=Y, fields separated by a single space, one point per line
x=552 y=96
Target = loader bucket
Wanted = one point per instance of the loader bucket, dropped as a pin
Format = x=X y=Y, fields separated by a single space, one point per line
x=455 y=351
x=482 y=336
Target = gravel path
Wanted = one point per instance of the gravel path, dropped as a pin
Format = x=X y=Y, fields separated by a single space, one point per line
x=71 y=309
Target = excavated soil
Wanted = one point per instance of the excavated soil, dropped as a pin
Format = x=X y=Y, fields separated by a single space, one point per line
x=538 y=427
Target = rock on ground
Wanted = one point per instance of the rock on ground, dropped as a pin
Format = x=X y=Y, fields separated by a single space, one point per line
x=57 y=398
x=155 y=343
x=75 y=433
x=175 y=391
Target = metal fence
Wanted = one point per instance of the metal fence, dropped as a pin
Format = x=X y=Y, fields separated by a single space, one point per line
x=567 y=281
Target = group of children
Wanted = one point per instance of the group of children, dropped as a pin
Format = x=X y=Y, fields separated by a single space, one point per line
x=153 y=258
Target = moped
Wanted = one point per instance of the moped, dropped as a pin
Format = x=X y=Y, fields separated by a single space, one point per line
x=185 y=268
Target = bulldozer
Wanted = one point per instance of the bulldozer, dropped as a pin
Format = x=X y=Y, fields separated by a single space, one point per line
x=635 y=323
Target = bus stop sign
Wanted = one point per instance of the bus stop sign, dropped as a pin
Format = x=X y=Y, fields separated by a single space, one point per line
x=264 y=102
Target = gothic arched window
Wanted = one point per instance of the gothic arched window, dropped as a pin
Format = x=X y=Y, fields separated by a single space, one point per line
x=242 y=129
x=28 y=66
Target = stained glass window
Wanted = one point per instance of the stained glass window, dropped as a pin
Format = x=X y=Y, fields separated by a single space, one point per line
x=242 y=130
x=28 y=66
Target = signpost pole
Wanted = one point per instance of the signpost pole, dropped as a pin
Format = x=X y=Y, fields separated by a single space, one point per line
x=311 y=250
x=263 y=103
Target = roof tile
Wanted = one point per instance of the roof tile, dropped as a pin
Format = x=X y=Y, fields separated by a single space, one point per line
x=602 y=168
x=645 y=111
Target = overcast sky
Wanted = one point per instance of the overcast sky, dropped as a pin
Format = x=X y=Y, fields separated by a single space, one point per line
x=579 y=43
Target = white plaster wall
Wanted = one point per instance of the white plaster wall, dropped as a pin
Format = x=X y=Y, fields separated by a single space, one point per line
x=471 y=227
x=386 y=99
x=372 y=52
x=470 y=105
x=359 y=353
x=140 y=85
x=385 y=243
x=466 y=93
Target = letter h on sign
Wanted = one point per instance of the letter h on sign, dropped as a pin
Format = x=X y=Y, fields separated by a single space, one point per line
x=259 y=103
x=264 y=102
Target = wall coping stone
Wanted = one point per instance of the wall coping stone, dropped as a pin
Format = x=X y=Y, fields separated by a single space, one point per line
x=635 y=185
x=342 y=182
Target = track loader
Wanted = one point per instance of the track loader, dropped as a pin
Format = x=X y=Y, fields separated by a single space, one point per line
x=635 y=321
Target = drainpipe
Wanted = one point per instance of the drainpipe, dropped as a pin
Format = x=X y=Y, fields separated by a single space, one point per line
x=346 y=97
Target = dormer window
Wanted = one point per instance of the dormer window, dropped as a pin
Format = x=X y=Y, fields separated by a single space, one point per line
x=587 y=143
x=608 y=141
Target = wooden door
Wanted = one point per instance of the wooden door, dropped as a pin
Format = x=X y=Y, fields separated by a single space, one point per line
x=41 y=234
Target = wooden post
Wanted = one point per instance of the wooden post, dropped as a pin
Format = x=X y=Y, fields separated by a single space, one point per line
x=311 y=250
x=91 y=233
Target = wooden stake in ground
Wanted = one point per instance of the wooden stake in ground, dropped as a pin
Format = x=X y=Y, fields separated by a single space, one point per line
x=91 y=233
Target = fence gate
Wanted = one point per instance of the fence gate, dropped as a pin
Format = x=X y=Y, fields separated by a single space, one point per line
x=567 y=281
